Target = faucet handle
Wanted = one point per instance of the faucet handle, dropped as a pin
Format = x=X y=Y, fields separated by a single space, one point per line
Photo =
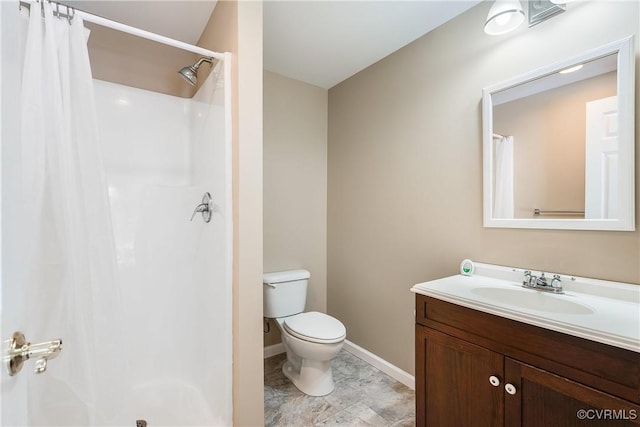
x=556 y=280
x=542 y=280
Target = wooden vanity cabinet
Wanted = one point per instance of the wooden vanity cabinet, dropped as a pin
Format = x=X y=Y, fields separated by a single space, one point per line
x=545 y=399
x=467 y=361
x=452 y=382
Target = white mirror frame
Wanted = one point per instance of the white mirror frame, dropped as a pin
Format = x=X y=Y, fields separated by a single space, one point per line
x=626 y=160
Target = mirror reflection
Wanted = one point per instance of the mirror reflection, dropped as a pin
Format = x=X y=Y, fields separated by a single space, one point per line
x=559 y=144
x=559 y=132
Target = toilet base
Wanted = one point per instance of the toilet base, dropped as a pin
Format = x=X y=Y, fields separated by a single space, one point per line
x=315 y=378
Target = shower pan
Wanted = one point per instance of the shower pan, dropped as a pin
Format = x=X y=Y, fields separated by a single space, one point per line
x=151 y=343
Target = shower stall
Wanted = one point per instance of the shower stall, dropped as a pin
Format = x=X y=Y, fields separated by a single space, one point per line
x=122 y=252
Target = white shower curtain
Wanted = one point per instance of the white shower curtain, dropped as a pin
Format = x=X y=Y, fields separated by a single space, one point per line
x=503 y=203
x=69 y=271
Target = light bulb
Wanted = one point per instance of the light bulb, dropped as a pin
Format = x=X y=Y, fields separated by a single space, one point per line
x=504 y=16
x=503 y=19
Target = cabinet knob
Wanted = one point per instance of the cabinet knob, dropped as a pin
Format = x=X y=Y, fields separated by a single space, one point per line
x=510 y=388
x=494 y=381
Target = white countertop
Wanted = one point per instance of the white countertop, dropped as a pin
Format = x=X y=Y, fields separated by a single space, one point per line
x=609 y=311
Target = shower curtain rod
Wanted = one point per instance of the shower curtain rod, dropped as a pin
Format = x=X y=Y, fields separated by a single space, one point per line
x=497 y=135
x=118 y=26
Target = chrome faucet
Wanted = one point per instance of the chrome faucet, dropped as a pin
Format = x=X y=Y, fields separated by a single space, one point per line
x=541 y=283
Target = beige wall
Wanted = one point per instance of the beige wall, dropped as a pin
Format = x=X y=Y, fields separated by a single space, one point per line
x=549 y=130
x=133 y=61
x=295 y=184
x=236 y=27
x=405 y=172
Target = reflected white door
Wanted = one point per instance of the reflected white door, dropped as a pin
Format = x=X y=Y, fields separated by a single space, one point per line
x=601 y=167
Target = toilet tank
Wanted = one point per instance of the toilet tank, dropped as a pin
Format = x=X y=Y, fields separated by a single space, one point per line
x=284 y=293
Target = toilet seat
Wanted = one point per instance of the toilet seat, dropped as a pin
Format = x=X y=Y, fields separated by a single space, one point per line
x=315 y=327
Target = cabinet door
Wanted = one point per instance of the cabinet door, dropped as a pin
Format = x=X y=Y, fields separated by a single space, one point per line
x=453 y=385
x=544 y=399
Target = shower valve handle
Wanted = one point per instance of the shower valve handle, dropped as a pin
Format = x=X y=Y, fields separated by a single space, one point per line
x=201 y=208
x=205 y=208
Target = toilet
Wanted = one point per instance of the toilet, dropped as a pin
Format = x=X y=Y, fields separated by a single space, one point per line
x=310 y=339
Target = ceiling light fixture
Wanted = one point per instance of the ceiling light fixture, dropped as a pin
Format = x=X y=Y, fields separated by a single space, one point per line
x=504 y=16
x=541 y=10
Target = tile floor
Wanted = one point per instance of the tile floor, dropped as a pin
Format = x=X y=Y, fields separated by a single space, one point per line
x=364 y=396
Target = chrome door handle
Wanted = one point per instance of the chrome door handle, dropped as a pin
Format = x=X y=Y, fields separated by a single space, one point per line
x=20 y=351
x=205 y=208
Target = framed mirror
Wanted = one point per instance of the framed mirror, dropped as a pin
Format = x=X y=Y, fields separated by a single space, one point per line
x=558 y=144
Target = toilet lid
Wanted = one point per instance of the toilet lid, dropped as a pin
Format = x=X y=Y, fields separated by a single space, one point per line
x=316 y=327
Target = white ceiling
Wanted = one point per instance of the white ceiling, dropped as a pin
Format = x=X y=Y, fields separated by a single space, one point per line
x=316 y=41
x=326 y=42
x=180 y=20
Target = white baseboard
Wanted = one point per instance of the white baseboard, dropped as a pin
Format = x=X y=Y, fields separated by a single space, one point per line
x=381 y=364
x=376 y=361
x=273 y=350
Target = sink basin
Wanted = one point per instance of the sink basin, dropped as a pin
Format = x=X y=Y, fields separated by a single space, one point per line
x=597 y=310
x=532 y=300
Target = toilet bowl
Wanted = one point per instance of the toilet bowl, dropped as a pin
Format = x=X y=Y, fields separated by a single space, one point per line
x=311 y=340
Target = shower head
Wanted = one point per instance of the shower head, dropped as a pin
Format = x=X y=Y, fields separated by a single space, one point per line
x=190 y=72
